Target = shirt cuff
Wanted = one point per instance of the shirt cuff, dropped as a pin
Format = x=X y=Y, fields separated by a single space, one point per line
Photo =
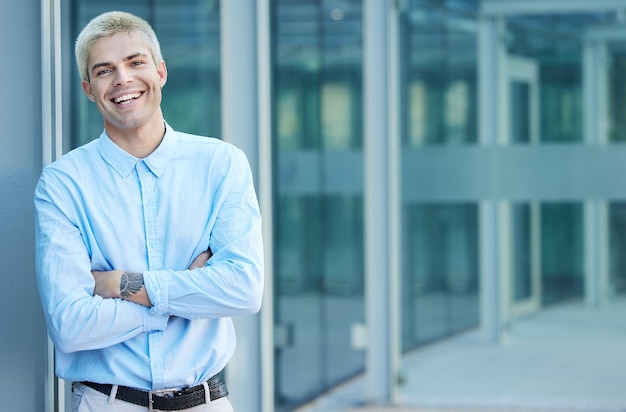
x=153 y=323
x=155 y=283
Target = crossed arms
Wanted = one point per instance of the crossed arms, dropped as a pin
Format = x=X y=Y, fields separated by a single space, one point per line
x=130 y=285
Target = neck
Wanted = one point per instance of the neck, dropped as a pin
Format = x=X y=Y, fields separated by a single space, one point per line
x=139 y=141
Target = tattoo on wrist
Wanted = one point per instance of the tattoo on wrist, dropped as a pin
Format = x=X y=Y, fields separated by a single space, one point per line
x=131 y=283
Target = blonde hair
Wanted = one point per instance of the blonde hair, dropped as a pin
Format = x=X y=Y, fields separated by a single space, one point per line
x=110 y=23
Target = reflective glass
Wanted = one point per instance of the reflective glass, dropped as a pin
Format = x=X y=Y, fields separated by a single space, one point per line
x=544 y=56
x=440 y=282
x=438 y=52
x=190 y=45
x=561 y=252
x=520 y=112
x=546 y=254
x=616 y=99
x=522 y=245
x=617 y=241
x=317 y=112
x=555 y=49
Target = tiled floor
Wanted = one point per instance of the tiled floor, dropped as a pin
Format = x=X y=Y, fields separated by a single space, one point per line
x=562 y=359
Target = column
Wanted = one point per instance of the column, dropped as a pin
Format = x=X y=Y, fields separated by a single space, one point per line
x=245 y=123
x=595 y=211
x=490 y=67
x=381 y=202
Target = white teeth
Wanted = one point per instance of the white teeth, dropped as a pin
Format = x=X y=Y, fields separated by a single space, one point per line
x=126 y=98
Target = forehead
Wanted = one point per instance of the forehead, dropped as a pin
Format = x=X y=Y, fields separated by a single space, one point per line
x=117 y=46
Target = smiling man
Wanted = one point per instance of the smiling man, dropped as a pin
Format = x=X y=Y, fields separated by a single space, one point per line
x=148 y=241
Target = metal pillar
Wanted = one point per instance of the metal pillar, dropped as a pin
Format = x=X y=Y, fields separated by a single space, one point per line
x=490 y=132
x=245 y=375
x=595 y=211
x=57 y=391
x=265 y=190
x=381 y=203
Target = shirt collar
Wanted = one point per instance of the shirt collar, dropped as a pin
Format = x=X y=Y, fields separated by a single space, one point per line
x=123 y=162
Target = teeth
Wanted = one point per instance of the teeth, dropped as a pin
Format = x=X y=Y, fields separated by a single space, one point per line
x=126 y=97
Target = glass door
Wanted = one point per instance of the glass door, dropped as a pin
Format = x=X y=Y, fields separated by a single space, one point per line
x=522 y=220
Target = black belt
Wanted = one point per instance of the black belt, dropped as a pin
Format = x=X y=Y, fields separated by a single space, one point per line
x=168 y=399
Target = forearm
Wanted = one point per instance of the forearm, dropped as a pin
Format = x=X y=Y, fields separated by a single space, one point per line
x=99 y=324
x=228 y=286
x=122 y=284
x=129 y=285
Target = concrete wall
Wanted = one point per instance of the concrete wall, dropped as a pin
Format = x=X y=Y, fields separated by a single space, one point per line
x=22 y=329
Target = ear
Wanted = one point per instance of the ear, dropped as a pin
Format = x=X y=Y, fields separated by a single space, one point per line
x=88 y=91
x=162 y=72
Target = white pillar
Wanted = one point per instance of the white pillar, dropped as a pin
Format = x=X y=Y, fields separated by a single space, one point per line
x=595 y=211
x=265 y=189
x=245 y=123
x=490 y=91
x=381 y=197
x=57 y=391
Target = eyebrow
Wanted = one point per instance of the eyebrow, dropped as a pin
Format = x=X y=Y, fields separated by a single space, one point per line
x=127 y=58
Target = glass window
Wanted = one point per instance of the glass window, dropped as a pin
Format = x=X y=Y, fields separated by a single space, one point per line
x=190 y=44
x=522 y=245
x=561 y=252
x=440 y=282
x=617 y=90
x=438 y=53
x=556 y=49
x=319 y=275
x=617 y=240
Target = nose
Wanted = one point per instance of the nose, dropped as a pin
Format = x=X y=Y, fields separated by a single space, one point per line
x=122 y=75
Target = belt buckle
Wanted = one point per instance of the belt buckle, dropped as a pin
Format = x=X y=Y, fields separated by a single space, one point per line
x=157 y=392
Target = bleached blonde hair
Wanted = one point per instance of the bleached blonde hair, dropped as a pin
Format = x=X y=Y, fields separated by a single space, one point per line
x=107 y=24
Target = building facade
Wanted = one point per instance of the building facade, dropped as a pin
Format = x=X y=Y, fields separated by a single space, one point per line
x=424 y=167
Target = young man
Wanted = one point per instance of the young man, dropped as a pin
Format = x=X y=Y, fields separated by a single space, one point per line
x=148 y=240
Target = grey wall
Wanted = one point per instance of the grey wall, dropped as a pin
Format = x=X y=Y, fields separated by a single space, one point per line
x=22 y=329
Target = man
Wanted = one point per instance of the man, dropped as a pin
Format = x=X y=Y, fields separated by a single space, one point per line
x=148 y=240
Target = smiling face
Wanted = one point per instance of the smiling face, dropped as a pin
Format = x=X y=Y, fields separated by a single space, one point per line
x=125 y=83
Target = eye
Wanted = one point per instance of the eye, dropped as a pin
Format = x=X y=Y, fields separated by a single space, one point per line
x=103 y=72
x=136 y=63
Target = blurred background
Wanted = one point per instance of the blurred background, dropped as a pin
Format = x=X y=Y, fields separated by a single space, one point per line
x=441 y=183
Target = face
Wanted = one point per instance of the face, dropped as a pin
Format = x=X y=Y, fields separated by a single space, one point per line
x=125 y=83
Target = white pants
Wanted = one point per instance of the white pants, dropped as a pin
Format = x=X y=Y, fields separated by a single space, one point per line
x=87 y=399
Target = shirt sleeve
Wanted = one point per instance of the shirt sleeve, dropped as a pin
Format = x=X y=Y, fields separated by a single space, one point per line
x=76 y=319
x=232 y=281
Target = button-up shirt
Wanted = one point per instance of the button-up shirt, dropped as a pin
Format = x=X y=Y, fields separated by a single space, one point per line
x=98 y=208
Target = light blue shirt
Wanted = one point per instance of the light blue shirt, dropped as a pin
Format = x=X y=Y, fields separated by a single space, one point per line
x=99 y=208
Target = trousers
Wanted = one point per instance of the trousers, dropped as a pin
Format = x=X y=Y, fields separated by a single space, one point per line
x=87 y=399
